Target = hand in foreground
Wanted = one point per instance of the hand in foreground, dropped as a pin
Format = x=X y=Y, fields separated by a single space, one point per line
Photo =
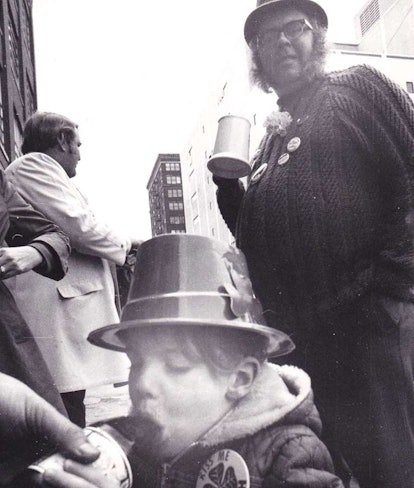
x=17 y=260
x=78 y=475
x=29 y=425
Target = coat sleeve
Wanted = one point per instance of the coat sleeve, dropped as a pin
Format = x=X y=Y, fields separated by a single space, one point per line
x=302 y=461
x=378 y=118
x=30 y=227
x=43 y=183
x=229 y=196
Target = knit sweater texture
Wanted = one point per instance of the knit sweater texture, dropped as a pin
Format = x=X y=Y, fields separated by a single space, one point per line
x=336 y=221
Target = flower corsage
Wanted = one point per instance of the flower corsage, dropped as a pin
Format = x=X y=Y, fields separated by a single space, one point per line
x=278 y=123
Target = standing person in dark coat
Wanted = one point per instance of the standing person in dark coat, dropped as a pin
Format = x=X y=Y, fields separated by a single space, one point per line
x=326 y=224
x=35 y=243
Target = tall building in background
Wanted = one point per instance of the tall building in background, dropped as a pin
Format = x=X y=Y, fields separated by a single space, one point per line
x=17 y=75
x=166 y=196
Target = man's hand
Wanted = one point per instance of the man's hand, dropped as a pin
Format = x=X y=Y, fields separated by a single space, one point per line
x=29 y=425
x=17 y=260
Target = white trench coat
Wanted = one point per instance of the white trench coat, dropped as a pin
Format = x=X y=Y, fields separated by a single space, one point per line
x=61 y=314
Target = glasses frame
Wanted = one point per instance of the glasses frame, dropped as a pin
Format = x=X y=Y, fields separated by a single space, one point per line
x=303 y=22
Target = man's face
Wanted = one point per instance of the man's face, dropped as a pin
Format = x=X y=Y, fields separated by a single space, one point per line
x=71 y=157
x=283 y=60
x=179 y=397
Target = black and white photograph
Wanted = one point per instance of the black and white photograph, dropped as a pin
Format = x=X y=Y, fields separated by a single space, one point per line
x=207 y=244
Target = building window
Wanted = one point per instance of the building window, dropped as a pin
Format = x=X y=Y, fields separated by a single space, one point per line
x=176 y=206
x=30 y=107
x=173 y=180
x=18 y=138
x=172 y=166
x=190 y=156
x=14 y=52
x=196 y=224
x=369 y=16
x=176 y=193
x=27 y=29
x=223 y=93
x=1 y=111
x=177 y=220
x=410 y=87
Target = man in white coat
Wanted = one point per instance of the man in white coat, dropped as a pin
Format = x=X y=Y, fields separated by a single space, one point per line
x=61 y=314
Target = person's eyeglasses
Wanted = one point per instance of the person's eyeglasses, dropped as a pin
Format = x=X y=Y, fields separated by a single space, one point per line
x=292 y=30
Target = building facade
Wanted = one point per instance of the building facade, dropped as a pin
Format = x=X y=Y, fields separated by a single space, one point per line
x=386 y=26
x=165 y=192
x=17 y=75
x=230 y=97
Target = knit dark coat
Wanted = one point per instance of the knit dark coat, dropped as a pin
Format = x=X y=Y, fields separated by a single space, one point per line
x=328 y=236
x=334 y=222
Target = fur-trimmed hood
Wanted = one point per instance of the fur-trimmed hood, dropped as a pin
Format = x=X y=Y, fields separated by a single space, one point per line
x=279 y=393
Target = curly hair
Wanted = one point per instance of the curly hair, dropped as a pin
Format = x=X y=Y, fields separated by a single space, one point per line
x=314 y=67
x=42 y=129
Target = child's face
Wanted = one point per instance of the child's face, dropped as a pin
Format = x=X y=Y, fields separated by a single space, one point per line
x=181 y=397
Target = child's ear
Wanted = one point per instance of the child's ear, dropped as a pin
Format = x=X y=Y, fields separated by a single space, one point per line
x=242 y=379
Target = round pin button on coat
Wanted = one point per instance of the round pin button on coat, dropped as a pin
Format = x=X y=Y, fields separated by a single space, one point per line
x=293 y=144
x=258 y=173
x=283 y=159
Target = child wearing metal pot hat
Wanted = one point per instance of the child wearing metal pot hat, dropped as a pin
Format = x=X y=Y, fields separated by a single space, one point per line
x=208 y=409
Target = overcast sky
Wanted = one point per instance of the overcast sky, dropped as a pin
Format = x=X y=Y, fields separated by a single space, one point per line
x=134 y=76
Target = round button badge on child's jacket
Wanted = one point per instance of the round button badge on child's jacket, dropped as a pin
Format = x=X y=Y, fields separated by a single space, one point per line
x=224 y=468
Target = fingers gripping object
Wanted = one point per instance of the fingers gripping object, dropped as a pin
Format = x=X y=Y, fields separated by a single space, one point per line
x=111 y=462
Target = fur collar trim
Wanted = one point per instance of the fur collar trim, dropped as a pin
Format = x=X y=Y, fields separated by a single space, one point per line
x=277 y=391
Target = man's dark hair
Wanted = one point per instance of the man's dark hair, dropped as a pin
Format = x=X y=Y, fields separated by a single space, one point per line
x=42 y=130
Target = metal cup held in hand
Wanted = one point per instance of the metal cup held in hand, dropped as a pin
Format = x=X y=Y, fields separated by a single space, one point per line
x=231 y=151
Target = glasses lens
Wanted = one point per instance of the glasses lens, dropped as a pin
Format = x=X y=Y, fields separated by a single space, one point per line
x=293 y=29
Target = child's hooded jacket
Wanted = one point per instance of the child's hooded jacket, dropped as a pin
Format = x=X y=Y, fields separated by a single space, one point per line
x=275 y=429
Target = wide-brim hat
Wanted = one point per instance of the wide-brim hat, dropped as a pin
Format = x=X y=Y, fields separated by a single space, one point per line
x=265 y=8
x=190 y=280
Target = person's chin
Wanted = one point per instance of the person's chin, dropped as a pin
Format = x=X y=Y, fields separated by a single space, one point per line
x=285 y=75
